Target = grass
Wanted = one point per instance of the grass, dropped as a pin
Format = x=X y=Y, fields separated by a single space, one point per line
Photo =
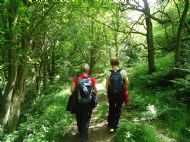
x=45 y=120
x=154 y=91
x=102 y=110
x=136 y=132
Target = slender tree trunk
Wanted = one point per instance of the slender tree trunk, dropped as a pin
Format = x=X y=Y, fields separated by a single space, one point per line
x=12 y=62
x=45 y=67
x=8 y=93
x=150 y=39
x=106 y=40
x=116 y=33
x=52 y=66
x=14 y=91
x=179 y=32
x=13 y=102
x=92 y=48
x=17 y=99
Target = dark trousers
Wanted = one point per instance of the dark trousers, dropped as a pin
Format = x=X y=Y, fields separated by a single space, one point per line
x=83 y=116
x=115 y=103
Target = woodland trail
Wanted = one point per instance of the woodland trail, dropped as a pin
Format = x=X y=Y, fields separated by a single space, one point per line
x=98 y=130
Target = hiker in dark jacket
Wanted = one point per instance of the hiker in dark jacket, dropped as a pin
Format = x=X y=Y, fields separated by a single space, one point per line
x=84 y=84
x=116 y=81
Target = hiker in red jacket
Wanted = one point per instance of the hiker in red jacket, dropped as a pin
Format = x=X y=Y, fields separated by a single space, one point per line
x=116 y=81
x=84 y=84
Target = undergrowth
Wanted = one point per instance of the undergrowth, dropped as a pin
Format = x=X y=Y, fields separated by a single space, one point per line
x=136 y=132
x=45 y=120
x=157 y=93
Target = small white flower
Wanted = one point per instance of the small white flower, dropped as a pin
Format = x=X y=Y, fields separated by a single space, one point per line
x=128 y=135
x=151 y=109
x=135 y=119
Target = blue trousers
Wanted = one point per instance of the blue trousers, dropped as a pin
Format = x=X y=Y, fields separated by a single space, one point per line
x=115 y=103
x=83 y=116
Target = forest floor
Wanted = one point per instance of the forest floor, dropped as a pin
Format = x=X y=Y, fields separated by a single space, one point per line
x=98 y=130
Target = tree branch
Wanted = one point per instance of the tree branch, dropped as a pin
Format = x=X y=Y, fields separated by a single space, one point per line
x=160 y=21
x=113 y=29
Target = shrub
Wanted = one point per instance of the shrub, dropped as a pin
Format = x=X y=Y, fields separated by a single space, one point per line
x=183 y=87
x=160 y=78
x=102 y=110
x=176 y=119
x=136 y=132
x=45 y=120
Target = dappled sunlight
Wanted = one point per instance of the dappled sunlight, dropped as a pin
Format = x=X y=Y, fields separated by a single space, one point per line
x=150 y=113
x=100 y=87
x=63 y=92
x=99 y=125
x=99 y=132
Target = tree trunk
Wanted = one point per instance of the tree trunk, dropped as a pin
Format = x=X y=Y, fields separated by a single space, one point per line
x=12 y=62
x=179 y=32
x=44 y=67
x=51 y=65
x=150 y=39
x=14 y=89
x=17 y=99
x=116 y=33
x=8 y=93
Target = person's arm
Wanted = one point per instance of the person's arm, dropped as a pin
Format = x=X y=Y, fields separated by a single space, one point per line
x=107 y=83
x=126 y=80
x=73 y=87
x=95 y=88
x=94 y=84
x=124 y=76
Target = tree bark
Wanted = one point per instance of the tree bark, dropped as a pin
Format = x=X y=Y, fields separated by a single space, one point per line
x=150 y=39
x=14 y=91
x=17 y=99
x=51 y=65
x=44 y=67
x=116 y=33
x=179 y=32
x=12 y=60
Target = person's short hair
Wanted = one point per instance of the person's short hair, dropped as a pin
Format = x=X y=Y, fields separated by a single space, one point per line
x=85 y=68
x=114 y=61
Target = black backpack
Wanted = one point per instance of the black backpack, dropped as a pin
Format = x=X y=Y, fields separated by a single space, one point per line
x=116 y=82
x=85 y=90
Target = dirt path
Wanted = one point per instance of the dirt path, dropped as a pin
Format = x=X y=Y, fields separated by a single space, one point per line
x=98 y=131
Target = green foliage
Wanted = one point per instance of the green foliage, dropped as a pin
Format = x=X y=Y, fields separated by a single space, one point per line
x=136 y=132
x=102 y=110
x=176 y=119
x=160 y=78
x=183 y=87
x=1 y=133
x=45 y=120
